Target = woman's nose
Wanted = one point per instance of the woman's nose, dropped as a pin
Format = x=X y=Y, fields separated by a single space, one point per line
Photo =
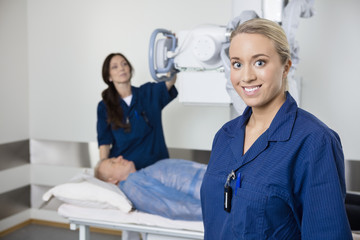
x=247 y=74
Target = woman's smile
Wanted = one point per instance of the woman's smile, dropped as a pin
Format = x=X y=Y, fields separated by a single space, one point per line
x=251 y=90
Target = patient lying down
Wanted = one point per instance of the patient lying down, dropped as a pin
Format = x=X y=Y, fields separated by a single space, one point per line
x=169 y=188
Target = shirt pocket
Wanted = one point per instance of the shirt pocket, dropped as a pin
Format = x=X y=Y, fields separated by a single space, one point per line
x=141 y=125
x=248 y=212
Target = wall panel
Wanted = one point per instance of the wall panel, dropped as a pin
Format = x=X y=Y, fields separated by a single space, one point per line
x=14 y=83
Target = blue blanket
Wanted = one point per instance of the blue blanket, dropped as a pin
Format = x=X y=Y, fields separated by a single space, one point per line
x=169 y=188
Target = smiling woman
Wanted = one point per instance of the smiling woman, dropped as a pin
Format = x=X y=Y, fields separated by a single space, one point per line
x=259 y=66
x=258 y=71
x=258 y=74
x=129 y=118
x=281 y=162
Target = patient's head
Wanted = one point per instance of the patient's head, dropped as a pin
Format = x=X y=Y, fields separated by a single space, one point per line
x=114 y=170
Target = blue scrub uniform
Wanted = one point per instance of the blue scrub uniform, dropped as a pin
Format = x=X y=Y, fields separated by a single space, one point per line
x=291 y=183
x=145 y=143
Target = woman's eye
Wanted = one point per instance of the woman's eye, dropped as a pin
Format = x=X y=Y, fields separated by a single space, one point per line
x=259 y=63
x=113 y=67
x=236 y=65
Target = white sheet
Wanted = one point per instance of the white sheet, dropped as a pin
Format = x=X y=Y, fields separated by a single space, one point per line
x=135 y=217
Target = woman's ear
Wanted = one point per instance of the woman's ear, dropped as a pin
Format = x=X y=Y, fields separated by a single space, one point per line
x=287 y=67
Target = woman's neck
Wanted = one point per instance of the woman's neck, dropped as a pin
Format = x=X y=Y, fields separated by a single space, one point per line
x=124 y=89
x=262 y=117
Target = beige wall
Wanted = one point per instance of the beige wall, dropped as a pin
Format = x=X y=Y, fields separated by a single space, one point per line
x=329 y=47
x=14 y=81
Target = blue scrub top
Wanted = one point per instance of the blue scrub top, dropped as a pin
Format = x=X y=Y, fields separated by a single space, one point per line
x=292 y=181
x=145 y=143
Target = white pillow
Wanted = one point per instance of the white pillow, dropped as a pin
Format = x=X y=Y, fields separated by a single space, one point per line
x=88 y=191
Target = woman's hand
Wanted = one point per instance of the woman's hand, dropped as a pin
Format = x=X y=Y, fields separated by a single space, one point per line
x=171 y=83
x=104 y=152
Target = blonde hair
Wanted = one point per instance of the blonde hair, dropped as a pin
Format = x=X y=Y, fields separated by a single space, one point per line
x=271 y=30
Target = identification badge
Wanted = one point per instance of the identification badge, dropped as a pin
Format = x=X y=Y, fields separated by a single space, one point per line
x=228 y=192
x=227 y=198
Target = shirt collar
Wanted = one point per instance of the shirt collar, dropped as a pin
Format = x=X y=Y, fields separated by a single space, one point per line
x=135 y=96
x=281 y=126
x=134 y=91
x=283 y=123
x=280 y=130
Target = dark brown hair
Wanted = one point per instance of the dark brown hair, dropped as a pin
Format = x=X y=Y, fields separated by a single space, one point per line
x=111 y=97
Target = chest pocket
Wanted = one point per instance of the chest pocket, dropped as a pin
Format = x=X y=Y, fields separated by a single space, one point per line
x=140 y=124
x=248 y=212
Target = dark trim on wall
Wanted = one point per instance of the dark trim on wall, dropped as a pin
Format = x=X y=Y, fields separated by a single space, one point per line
x=14 y=154
x=14 y=201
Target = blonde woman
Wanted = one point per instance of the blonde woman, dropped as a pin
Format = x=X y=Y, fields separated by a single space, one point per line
x=275 y=172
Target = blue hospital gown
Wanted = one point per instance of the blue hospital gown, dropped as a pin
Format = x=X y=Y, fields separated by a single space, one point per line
x=169 y=188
